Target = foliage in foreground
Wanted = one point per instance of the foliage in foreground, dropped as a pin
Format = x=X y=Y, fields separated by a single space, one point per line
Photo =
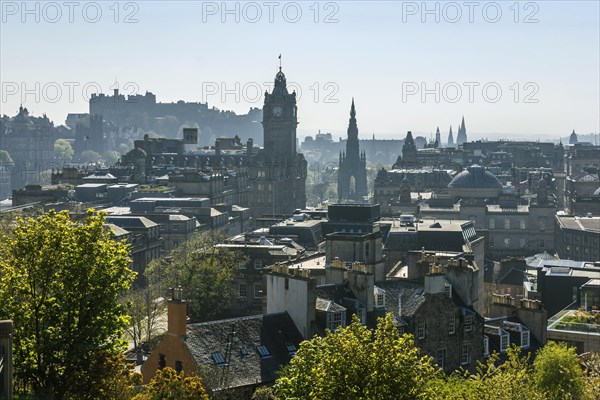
x=354 y=363
x=59 y=283
x=168 y=385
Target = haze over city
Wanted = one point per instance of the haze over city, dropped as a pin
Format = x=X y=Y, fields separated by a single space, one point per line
x=513 y=70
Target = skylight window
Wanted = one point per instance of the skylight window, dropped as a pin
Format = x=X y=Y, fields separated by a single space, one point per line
x=244 y=352
x=218 y=358
x=291 y=349
x=263 y=351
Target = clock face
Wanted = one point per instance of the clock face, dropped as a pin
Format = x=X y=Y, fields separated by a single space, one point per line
x=277 y=111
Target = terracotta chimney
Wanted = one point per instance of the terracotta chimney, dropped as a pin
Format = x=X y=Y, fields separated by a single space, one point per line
x=177 y=313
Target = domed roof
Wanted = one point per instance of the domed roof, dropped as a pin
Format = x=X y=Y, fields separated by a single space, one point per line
x=475 y=177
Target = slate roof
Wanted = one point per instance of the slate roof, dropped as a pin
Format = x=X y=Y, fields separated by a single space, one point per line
x=274 y=331
x=411 y=294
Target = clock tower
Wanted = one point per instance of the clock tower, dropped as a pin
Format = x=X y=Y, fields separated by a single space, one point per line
x=280 y=119
x=277 y=172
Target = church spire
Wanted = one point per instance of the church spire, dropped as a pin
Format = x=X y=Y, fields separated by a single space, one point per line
x=450 y=138
x=352 y=110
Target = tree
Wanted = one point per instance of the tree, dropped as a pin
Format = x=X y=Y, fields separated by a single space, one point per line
x=356 y=363
x=508 y=380
x=63 y=150
x=144 y=308
x=264 y=393
x=90 y=156
x=203 y=271
x=5 y=157
x=168 y=385
x=557 y=373
x=112 y=157
x=60 y=284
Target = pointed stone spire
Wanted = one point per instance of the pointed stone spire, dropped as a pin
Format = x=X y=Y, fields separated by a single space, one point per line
x=352 y=110
x=450 y=138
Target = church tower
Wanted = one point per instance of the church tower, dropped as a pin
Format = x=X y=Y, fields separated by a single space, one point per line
x=450 y=138
x=352 y=171
x=461 y=138
x=438 y=138
x=277 y=172
x=409 y=150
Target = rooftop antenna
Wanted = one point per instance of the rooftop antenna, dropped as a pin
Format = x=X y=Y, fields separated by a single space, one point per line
x=280 y=61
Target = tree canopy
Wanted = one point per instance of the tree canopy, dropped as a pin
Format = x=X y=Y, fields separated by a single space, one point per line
x=203 y=271
x=63 y=150
x=356 y=363
x=60 y=283
x=168 y=385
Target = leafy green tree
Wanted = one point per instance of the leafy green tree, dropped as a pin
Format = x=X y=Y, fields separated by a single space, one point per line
x=508 y=380
x=168 y=385
x=557 y=372
x=144 y=309
x=60 y=282
x=264 y=393
x=203 y=271
x=111 y=157
x=90 y=156
x=63 y=150
x=356 y=363
x=5 y=157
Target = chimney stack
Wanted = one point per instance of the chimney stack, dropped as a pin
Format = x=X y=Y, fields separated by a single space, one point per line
x=434 y=280
x=177 y=313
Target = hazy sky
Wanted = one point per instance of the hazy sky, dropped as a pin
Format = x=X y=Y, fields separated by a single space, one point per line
x=409 y=65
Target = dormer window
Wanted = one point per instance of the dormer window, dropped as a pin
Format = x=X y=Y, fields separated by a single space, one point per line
x=379 y=298
x=525 y=338
x=504 y=341
x=335 y=320
x=218 y=358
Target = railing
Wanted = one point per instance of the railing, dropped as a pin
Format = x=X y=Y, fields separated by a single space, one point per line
x=557 y=323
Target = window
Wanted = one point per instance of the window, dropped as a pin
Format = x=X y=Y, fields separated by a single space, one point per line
x=162 y=361
x=542 y=224
x=542 y=244
x=244 y=353
x=257 y=290
x=448 y=289
x=242 y=290
x=361 y=313
x=507 y=242
x=486 y=346
x=524 y=339
x=178 y=366
x=175 y=227
x=492 y=223
x=291 y=349
x=335 y=320
x=263 y=351
x=464 y=354
x=440 y=358
x=257 y=264
x=218 y=358
x=452 y=325
x=287 y=283
x=379 y=299
x=421 y=330
x=468 y=323
x=504 y=342
x=506 y=223
x=242 y=265
x=522 y=224
x=521 y=243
